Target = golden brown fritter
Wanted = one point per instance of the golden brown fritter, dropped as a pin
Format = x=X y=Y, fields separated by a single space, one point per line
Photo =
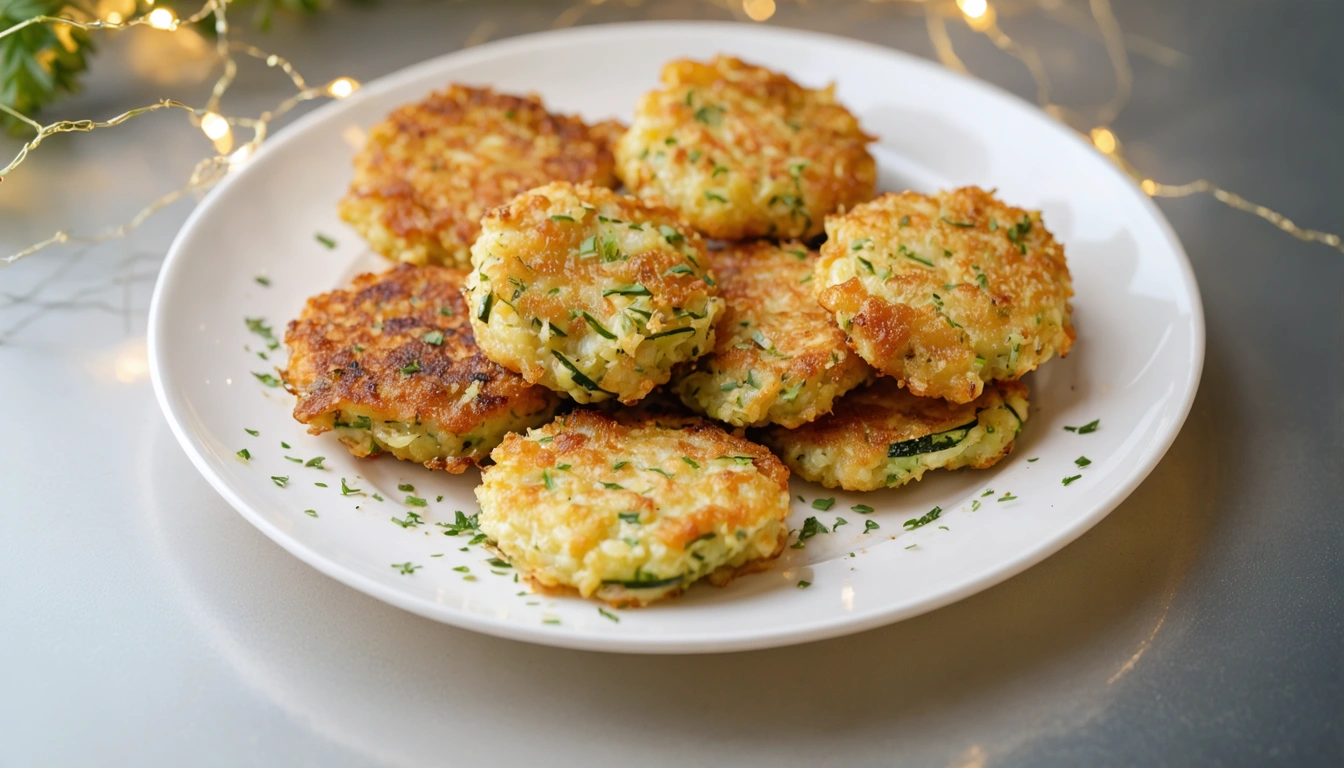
x=778 y=356
x=591 y=293
x=947 y=292
x=744 y=152
x=631 y=511
x=431 y=170
x=391 y=365
x=882 y=436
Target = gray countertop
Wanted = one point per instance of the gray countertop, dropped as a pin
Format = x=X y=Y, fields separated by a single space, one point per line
x=143 y=622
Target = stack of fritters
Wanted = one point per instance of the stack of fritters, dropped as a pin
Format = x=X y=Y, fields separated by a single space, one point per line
x=894 y=350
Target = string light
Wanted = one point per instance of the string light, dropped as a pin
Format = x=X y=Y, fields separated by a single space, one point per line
x=758 y=10
x=162 y=18
x=341 y=87
x=979 y=15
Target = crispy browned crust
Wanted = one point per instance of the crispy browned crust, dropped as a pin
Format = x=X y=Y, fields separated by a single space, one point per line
x=431 y=169
x=773 y=329
x=789 y=155
x=350 y=347
x=994 y=282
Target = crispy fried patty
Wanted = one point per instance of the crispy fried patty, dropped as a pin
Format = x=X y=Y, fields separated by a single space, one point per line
x=633 y=510
x=744 y=152
x=778 y=356
x=947 y=292
x=882 y=436
x=391 y=365
x=591 y=293
x=431 y=169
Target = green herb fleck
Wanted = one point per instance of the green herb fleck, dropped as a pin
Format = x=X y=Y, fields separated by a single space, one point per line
x=327 y=241
x=920 y=522
x=1068 y=480
x=823 y=504
x=281 y=480
x=870 y=525
x=267 y=379
x=244 y=454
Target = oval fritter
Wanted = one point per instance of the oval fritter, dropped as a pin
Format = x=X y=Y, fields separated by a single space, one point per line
x=778 y=356
x=744 y=152
x=882 y=436
x=633 y=510
x=947 y=292
x=430 y=170
x=591 y=293
x=391 y=365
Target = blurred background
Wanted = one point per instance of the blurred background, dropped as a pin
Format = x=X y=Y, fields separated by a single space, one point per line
x=1200 y=624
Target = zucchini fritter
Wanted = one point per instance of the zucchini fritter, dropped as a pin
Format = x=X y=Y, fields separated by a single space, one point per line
x=391 y=365
x=744 y=152
x=591 y=293
x=631 y=510
x=431 y=169
x=947 y=292
x=882 y=436
x=778 y=356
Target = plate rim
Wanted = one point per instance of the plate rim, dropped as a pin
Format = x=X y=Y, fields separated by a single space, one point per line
x=1089 y=516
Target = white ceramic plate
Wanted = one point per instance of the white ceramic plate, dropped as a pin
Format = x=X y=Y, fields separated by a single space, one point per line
x=1135 y=367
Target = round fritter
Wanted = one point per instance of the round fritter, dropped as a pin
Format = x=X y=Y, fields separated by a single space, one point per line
x=591 y=293
x=882 y=436
x=778 y=356
x=744 y=152
x=431 y=170
x=631 y=511
x=391 y=365
x=947 y=292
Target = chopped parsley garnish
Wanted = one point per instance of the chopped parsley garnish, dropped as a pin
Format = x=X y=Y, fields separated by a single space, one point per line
x=412 y=520
x=280 y=480
x=608 y=614
x=660 y=471
x=862 y=509
x=411 y=367
x=811 y=527
x=906 y=252
x=956 y=223
x=715 y=197
x=823 y=504
x=406 y=569
x=1034 y=458
x=327 y=241
x=804 y=584
x=619 y=465
x=267 y=379
x=251 y=432
x=315 y=462
x=1082 y=461
x=406 y=487
x=589 y=246
x=975 y=505
x=694 y=464
x=1087 y=428
x=310 y=512
x=416 y=501
x=245 y=454
x=612 y=486
x=561 y=217
x=486 y=305
x=988 y=492
x=1018 y=231
x=920 y=522
x=461 y=524
x=546 y=480
x=433 y=337
x=1007 y=496
x=462 y=569
x=709 y=114
x=870 y=525
x=628 y=517
x=291 y=458
x=579 y=376
x=263 y=280
x=1068 y=480
x=346 y=490
x=839 y=521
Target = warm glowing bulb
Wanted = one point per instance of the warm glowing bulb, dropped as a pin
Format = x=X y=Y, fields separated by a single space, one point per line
x=342 y=87
x=114 y=18
x=759 y=10
x=162 y=18
x=973 y=9
x=214 y=125
x=1104 y=140
x=1148 y=186
x=239 y=157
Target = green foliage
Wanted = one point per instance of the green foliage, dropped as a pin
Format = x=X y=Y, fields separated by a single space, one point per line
x=40 y=62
